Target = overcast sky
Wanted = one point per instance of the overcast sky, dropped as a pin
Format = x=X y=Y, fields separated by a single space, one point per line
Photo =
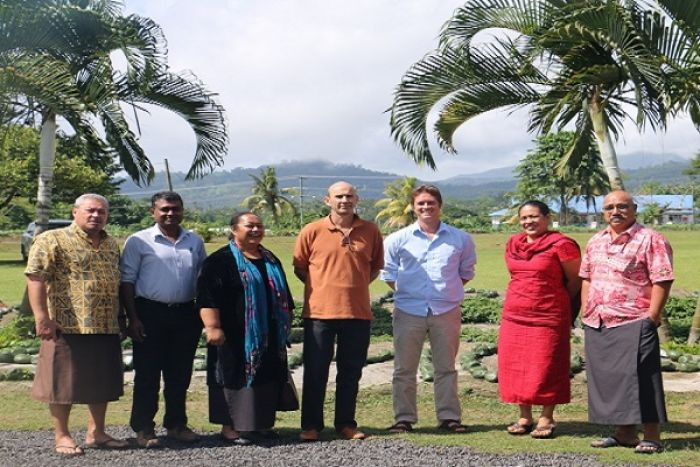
x=311 y=79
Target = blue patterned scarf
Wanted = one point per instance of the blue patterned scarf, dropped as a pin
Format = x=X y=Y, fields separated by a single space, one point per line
x=256 y=308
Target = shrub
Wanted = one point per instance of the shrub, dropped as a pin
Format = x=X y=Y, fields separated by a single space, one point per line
x=481 y=309
x=679 y=311
x=16 y=331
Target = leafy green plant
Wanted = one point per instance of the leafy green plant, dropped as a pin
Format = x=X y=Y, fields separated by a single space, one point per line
x=472 y=334
x=16 y=331
x=382 y=322
x=679 y=311
x=481 y=309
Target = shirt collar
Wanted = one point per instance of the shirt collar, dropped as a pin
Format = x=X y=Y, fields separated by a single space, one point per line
x=82 y=234
x=156 y=232
x=331 y=226
x=627 y=234
x=415 y=228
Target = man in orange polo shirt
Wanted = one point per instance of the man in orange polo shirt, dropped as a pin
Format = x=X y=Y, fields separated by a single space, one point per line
x=336 y=257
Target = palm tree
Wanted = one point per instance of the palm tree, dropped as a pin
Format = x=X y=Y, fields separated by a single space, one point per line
x=582 y=63
x=539 y=179
x=267 y=196
x=55 y=60
x=398 y=204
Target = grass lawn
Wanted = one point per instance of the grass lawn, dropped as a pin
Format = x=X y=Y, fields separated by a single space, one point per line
x=484 y=415
x=491 y=272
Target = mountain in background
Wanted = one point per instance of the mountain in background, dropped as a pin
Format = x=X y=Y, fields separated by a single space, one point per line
x=229 y=187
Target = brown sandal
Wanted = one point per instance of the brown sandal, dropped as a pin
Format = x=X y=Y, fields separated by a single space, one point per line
x=543 y=432
x=400 y=427
x=452 y=425
x=518 y=429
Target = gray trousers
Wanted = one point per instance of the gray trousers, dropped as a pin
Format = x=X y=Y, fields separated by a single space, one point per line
x=409 y=335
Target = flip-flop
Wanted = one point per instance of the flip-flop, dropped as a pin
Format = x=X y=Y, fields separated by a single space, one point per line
x=544 y=432
x=452 y=425
x=109 y=443
x=400 y=427
x=519 y=429
x=611 y=442
x=74 y=450
x=649 y=446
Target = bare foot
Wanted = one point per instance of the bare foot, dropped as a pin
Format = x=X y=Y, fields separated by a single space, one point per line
x=66 y=446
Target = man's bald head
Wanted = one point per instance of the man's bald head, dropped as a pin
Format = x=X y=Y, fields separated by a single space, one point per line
x=619 y=210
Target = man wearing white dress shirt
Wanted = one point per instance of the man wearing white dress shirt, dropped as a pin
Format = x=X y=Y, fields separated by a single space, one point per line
x=159 y=268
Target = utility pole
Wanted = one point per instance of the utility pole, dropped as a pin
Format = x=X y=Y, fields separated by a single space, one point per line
x=167 y=173
x=301 y=202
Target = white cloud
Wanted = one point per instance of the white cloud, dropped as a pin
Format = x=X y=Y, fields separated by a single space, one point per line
x=313 y=78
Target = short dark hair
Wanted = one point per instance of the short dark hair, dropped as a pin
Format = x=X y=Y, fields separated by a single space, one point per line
x=430 y=189
x=544 y=209
x=236 y=218
x=168 y=196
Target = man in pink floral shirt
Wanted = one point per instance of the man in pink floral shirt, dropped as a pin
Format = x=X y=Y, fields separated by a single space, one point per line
x=627 y=274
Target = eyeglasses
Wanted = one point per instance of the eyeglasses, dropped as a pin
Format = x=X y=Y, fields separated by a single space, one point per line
x=618 y=206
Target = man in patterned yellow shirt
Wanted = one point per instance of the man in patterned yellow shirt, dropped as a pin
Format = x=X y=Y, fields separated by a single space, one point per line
x=73 y=287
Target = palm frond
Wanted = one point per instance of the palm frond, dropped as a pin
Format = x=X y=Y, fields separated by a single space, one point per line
x=186 y=96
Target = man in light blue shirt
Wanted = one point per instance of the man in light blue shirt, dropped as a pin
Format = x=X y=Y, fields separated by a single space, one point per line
x=159 y=268
x=427 y=265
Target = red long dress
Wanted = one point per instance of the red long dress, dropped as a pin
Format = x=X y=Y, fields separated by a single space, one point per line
x=533 y=339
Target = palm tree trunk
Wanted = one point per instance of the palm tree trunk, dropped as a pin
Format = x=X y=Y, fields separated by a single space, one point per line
x=694 y=336
x=605 y=146
x=47 y=155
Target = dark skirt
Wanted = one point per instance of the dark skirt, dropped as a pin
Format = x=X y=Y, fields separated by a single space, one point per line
x=253 y=408
x=245 y=409
x=623 y=368
x=79 y=369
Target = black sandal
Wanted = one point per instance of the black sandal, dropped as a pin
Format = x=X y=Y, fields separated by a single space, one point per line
x=452 y=425
x=400 y=427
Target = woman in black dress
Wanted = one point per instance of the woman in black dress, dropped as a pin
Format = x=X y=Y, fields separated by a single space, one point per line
x=246 y=308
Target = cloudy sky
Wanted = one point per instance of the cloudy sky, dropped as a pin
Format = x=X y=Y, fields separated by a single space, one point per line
x=311 y=79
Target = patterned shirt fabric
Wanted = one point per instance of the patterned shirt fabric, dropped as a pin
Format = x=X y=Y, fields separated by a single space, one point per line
x=160 y=269
x=82 y=281
x=621 y=273
x=428 y=272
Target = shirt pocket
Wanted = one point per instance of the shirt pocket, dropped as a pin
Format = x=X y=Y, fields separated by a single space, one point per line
x=633 y=270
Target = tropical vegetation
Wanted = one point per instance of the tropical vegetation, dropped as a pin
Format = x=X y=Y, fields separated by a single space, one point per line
x=57 y=59
x=268 y=197
x=539 y=179
x=397 y=206
x=590 y=64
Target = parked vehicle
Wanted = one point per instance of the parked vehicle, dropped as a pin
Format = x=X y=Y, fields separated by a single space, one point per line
x=28 y=235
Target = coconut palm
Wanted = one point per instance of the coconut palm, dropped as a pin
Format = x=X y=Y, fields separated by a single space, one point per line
x=267 y=196
x=398 y=204
x=56 y=60
x=590 y=64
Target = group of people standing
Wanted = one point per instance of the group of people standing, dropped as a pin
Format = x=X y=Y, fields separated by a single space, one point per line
x=169 y=290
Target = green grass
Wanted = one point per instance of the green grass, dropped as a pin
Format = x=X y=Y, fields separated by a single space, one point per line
x=484 y=415
x=491 y=272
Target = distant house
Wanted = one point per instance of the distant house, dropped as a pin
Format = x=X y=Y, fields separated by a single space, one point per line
x=675 y=209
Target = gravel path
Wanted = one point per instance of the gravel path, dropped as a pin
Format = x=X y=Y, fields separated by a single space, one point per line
x=29 y=449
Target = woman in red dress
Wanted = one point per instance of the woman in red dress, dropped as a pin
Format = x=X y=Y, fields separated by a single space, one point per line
x=533 y=340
